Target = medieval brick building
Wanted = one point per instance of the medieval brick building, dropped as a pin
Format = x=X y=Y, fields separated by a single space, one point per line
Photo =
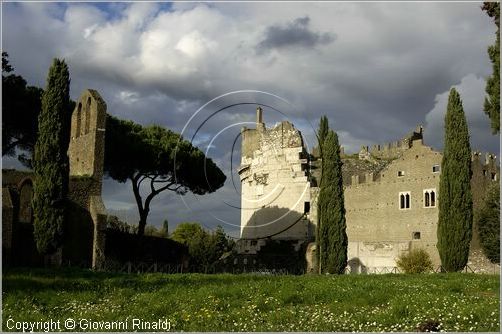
x=391 y=195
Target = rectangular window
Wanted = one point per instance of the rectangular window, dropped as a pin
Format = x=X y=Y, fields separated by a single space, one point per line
x=400 y=173
x=306 y=207
x=430 y=198
x=494 y=176
x=404 y=200
x=436 y=168
x=416 y=235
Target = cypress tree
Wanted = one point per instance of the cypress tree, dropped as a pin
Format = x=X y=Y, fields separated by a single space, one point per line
x=455 y=199
x=332 y=237
x=51 y=166
x=323 y=131
x=492 y=100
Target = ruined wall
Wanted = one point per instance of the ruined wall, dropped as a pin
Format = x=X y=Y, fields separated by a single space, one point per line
x=86 y=155
x=485 y=172
x=86 y=150
x=275 y=187
x=378 y=229
x=393 y=149
x=86 y=218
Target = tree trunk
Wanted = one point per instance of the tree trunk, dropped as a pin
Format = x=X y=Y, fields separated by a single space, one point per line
x=142 y=222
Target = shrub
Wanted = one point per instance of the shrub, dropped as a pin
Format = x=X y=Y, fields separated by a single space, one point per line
x=415 y=262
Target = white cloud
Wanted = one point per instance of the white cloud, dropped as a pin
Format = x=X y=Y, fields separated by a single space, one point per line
x=472 y=92
x=387 y=70
x=129 y=97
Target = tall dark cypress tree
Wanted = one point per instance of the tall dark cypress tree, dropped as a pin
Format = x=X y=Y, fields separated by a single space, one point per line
x=323 y=131
x=455 y=199
x=332 y=237
x=51 y=164
x=492 y=100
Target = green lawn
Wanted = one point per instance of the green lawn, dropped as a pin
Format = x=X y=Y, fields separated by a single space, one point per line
x=196 y=302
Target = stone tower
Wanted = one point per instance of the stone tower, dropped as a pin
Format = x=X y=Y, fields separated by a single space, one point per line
x=275 y=189
x=86 y=155
x=86 y=150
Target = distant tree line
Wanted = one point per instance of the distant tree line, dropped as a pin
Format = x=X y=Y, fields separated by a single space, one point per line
x=204 y=247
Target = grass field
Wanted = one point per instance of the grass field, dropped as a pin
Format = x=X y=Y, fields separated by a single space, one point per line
x=196 y=302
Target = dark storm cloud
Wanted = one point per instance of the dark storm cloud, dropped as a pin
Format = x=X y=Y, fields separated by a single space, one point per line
x=389 y=70
x=296 y=33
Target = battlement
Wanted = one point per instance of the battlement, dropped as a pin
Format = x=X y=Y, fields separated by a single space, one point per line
x=490 y=159
x=391 y=150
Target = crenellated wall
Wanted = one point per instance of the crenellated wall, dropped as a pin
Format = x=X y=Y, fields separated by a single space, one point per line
x=391 y=195
x=391 y=150
x=379 y=230
x=377 y=227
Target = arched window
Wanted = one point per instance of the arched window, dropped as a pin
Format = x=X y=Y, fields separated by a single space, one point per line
x=87 y=115
x=79 y=120
x=429 y=198
x=404 y=200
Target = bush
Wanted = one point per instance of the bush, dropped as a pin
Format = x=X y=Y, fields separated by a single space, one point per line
x=415 y=262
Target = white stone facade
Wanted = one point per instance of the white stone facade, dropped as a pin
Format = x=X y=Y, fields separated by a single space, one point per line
x=275 y=201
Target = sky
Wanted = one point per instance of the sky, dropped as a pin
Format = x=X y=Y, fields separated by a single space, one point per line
x=377 y=70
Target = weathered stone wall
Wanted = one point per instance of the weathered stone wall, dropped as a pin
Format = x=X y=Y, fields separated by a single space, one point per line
x=485 y=173
x=86 y=155
x=274 y=176
x=86 y=150
x=275 y=187
x=378 y=230
x=391 y=150
x=85 y=208
x=374 y=216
